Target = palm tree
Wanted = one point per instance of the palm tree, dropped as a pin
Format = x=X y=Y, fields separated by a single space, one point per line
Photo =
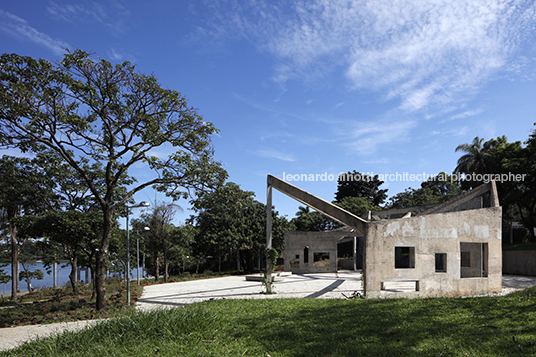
x=477 y=159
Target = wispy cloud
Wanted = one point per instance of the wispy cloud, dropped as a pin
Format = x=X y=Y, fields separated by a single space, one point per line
x=92 y=11
x=423 y=54
x=366 y=138
x=274 y=154
x=466 y=114
x=15 y=26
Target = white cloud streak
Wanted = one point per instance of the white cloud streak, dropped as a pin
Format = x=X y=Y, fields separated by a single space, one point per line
x=274 y=154
x=422 y=53
x=366 y=138
x=113 y=15
x=15 y=26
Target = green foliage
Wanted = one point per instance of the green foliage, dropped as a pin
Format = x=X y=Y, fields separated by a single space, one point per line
x=499 y=157
x=307 y=220
x=357 y=205
x=435 y=190
x=478 y=159
x=356 y=184
x=272 y=255
x=4 y=278
x=29 y=275
x=229 y=219
x=162 y=239
x=271 y=259
x=101 y=120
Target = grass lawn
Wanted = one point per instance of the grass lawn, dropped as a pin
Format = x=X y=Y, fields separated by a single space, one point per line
x=487 y=326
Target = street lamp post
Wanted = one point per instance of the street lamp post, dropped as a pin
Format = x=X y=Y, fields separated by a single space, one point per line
x=141 y=204
x=138 y=251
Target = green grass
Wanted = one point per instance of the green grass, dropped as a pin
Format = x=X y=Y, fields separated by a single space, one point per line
x=487 y=326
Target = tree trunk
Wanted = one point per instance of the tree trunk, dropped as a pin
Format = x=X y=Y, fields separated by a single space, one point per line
x=100 y=288
x=100 y=261
x=28 y=279
x=14 y=263
x=72 y=275
x=166 y=268
x=157 y=271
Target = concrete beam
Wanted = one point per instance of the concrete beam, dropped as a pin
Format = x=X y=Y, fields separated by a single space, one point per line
x=318 y=204
x=458 y=201
x=414 y=210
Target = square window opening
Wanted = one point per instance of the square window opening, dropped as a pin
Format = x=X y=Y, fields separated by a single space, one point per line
x=404 y=257
x=321 y=259
x=474 y=260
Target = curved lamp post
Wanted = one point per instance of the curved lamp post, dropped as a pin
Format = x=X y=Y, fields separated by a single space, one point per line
x=141 y=204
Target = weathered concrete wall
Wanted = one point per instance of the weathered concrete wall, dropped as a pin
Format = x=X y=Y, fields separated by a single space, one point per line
x=427 y=235
x=519 y=262
x=317 y=242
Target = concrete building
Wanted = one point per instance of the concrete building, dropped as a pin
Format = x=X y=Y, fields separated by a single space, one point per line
x=449 y=249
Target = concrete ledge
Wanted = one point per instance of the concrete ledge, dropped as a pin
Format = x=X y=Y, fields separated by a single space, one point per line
x=396 y=287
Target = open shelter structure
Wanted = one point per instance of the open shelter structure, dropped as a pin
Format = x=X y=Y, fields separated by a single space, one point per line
x=443 y=250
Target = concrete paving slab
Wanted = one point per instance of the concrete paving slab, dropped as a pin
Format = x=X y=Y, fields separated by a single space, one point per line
x=322 y=285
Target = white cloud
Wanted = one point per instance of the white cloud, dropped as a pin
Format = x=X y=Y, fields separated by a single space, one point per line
x=92 y=11
x=367 y=137
x=466 y=114
x=116 y=56
x=422 y=53
x=16 y=26
x=274 y=154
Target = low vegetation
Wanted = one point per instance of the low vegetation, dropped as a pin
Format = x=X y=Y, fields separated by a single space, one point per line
x=60 y=305
x=485 y=326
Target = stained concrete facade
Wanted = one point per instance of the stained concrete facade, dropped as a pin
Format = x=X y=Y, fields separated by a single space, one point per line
x=313 y=252
x=453 y=254
x=450 y=249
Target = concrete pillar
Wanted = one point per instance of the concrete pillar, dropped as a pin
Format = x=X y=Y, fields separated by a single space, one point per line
x=269 y=217
x=355 y=253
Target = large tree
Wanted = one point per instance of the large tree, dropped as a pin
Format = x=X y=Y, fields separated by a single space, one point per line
x=230 y=220
x=356 y=184
x=105 y=118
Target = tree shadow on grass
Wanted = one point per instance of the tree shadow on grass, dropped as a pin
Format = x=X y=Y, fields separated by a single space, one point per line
x=502 y=326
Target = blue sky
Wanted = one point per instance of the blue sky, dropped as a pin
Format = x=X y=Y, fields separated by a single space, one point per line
x=316 y=86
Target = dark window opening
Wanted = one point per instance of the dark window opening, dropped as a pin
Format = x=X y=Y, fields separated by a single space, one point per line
x=441 y=262
x=321 y=259
x=474 y=260
x=306 y=255
x=466 y=259
x=404 y=257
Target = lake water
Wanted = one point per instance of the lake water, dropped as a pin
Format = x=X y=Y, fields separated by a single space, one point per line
x=62 y=277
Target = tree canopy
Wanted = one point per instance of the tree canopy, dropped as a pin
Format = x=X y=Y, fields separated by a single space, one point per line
x=104 y=118
x=356 y=184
